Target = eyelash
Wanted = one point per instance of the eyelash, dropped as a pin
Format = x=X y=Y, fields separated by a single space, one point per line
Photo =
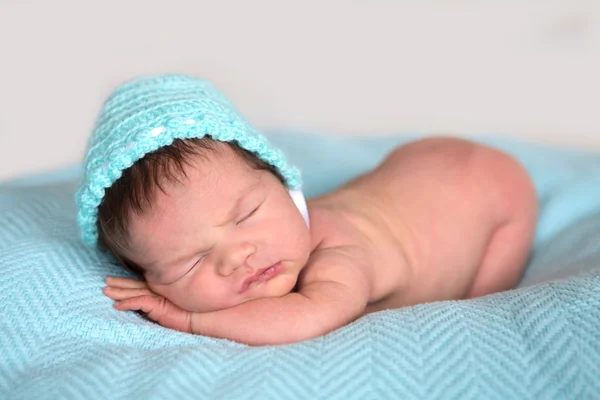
x=248 y=216
x=196 y=263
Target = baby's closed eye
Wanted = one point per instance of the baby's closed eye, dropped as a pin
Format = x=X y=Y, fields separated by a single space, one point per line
x=197 y=262
x=248 y=215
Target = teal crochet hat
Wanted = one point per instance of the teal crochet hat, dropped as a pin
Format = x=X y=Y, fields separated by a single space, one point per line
x=145 y=114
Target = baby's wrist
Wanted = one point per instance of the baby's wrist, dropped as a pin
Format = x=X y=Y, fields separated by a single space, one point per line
x=196 y=323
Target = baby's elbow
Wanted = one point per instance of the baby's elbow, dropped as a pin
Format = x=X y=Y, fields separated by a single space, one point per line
x=343 y=308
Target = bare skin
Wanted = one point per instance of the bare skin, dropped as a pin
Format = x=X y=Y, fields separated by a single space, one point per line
x=438 y=219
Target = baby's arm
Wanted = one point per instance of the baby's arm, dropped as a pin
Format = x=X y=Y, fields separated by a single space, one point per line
x=335 y=291
x=314 y=311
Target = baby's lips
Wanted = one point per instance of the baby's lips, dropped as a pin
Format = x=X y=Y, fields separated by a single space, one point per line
x=246 y=283
x=257 y=276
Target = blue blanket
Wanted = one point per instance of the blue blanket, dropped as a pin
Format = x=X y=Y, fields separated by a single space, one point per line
x=61 y=338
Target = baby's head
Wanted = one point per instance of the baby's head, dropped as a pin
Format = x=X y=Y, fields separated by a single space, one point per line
x=206 y=221
x=199 y=219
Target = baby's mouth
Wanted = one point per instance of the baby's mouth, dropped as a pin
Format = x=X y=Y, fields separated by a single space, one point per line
x=261 y=275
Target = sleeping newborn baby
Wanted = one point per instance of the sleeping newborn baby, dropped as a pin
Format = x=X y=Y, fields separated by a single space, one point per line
x=213 y=223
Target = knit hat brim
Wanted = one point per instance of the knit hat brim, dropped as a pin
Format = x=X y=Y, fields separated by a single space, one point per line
x=145 y=114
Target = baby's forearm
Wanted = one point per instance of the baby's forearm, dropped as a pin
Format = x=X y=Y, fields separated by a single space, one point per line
x=279 y=320
x=276 y=320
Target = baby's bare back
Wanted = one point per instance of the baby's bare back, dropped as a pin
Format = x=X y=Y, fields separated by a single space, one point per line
x=438 y=219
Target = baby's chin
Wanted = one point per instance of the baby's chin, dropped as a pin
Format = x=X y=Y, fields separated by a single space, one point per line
x=277 y=287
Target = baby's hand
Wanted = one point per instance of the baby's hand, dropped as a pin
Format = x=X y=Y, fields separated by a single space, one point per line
x=135 y=295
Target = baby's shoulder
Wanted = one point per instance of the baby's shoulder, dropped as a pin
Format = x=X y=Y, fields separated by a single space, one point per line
x=337 y=239
x=331 y=226
x=336 y=264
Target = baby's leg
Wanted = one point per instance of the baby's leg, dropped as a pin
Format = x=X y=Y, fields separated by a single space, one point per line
x=471 y=213
x=504 y=259
x=509 y=246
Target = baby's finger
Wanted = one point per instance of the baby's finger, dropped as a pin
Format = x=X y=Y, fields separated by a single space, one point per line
x=125 y=283
x=140 y=303
x=117 y=293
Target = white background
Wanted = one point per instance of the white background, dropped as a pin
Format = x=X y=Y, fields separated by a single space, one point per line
x=515 y=68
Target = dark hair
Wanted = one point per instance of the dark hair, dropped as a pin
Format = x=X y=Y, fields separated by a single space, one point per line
x=134 y=189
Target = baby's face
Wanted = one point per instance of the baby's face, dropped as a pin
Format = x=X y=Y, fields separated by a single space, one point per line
x=204 y=244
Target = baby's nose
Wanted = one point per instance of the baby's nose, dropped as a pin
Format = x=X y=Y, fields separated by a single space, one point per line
x=235 y=257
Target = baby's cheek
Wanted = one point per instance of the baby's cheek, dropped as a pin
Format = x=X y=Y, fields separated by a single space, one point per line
x=301 y=245
x=206 y=296
x=287 y=284
x=170 y=294
x=293 y=233
x=176 y=293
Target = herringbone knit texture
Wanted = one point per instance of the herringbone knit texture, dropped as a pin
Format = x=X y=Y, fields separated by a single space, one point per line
x=60 y=338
